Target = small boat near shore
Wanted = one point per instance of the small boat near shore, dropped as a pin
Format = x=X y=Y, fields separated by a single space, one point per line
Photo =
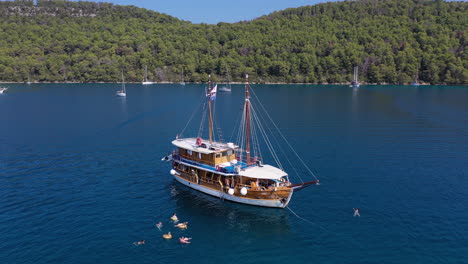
x=3 y=90
x=230 y=171
x=145 y=80
x=227 y=87
x=355 y=82
x=122 y=92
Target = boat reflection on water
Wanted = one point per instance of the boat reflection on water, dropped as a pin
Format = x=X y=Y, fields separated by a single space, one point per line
x=230 y=215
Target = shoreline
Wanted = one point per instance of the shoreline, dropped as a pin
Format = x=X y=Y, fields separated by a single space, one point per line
x=268 y=83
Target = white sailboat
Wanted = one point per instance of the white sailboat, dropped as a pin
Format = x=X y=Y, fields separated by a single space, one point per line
x=227 y=87
x=122 y=92
x=231 y=171
x=182 y=82
x=145 y=80
x=416 y=81
x=3 y=90
x=355 y=82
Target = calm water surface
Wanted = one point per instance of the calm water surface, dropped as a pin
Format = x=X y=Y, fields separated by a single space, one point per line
x=81 y=177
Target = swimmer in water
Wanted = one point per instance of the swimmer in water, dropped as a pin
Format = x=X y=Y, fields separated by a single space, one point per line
x=356 y=212
x=168 y=235
x=185 y=240
x=142 y=242
x=182 y=225
x=174 y=218
x=159 y=225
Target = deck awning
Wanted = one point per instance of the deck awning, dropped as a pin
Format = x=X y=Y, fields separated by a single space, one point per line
x=263 y=172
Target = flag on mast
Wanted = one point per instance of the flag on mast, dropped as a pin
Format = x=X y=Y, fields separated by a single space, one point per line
x=213 y=93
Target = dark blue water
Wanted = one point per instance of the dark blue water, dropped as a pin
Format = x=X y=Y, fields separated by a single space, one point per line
x=81 y=177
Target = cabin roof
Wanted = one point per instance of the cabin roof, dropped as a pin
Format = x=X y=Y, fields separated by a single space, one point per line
x=214 y=147
x=263 y=172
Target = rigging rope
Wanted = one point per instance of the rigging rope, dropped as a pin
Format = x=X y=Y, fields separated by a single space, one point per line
x=321 y=227
x=191 y=117
x=281 y=134
x=267 y=140
x=303 y=219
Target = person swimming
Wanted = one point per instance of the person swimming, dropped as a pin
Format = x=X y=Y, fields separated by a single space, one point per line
x=159 y=225
x=137 y=243
x=356 y=212
x=182 y=225
x=185 y=240
x=174 y=217
x=167 y=236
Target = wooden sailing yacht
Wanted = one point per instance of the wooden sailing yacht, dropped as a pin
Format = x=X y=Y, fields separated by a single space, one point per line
x=231 y=171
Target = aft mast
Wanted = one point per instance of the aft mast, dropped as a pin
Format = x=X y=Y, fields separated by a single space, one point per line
x=210 y=117
x=247 y=119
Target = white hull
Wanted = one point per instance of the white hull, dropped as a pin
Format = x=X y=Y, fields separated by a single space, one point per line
x=121 y=94
x=3 y=90
x=146 y=83
x=225 y=196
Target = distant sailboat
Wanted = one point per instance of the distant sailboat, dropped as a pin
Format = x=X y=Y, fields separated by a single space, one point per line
x=3 y=90
x=145 y=81
x=415 y=82
x=29 y=80
x=182 y=82
x=355 y=82
x=226 y=88
x=122 y=92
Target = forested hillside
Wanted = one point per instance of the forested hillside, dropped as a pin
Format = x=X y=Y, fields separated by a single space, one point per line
x=391 y=41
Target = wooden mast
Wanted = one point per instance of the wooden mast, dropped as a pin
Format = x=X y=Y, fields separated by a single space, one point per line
x=210 y=118
x=247 y=119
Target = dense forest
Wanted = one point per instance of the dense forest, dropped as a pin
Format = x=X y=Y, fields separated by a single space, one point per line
x=392 y=41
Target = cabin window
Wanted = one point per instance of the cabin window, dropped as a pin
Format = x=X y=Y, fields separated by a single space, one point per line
x=218 y=155
x=229 y=152
x=199 y=155
x=224 y=154
x=189 y=152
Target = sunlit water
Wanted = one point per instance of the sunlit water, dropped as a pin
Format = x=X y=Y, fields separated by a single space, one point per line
x=82 y=178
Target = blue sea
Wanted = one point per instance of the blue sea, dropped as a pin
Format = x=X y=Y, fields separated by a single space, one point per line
x=81 y=176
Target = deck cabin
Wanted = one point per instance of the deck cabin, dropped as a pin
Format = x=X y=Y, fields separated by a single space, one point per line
x=214 y=155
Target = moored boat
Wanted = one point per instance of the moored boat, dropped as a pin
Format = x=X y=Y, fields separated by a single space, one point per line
x=145 y=80
x=227 y=87
x=122 y=92
x=231 y=171
x=355 y=82
x=3 y=90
